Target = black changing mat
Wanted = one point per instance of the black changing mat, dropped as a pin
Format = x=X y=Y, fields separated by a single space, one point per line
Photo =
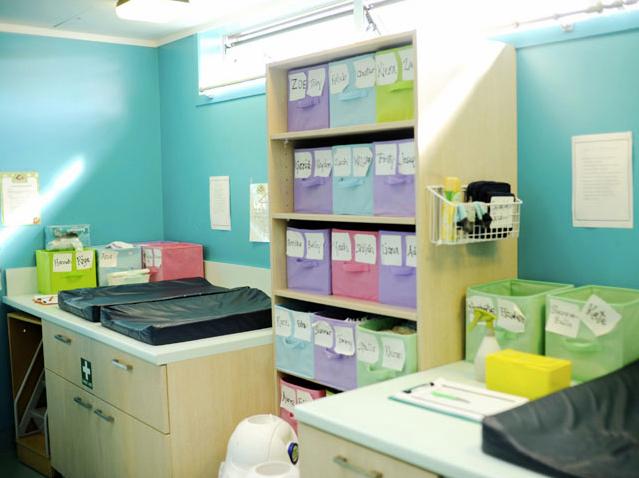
x=179 y=320
x=86 y=303
x=587 y=431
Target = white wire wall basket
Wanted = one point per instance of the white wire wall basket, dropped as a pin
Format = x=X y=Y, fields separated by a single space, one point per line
x=454 y=223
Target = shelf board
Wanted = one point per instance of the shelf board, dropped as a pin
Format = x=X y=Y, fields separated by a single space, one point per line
x=348 y=303
x=397 y=220
x=312 y=380
x=343 y=130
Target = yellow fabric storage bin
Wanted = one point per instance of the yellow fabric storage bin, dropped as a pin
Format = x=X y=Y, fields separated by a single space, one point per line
x=527 y=375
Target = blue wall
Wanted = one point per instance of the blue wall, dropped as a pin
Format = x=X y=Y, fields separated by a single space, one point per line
x=571 y=88
x=91 y=107
x=220 y=139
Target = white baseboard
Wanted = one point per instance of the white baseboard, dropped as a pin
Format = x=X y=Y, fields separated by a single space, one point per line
x=233 y=275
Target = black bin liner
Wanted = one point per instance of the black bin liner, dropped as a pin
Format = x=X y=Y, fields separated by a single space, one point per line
x=179 y=320
x=86 y=303
x=590 y=430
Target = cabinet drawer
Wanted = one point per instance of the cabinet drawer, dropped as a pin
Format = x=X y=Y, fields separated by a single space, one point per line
x=63 y=350
x=323 y=454
x=89 y=437
x=133 y=385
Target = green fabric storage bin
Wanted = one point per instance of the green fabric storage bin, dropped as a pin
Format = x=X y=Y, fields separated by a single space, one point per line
x=395 y=78
x=593 y=356
x=65 y=270
x=378 y=347
x=519 y=306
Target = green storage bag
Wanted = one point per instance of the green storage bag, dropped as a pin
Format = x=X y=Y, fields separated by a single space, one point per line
x=518 y=305
x=614 y=315
x=394 y=84
x=383 y=354
x=65 y=270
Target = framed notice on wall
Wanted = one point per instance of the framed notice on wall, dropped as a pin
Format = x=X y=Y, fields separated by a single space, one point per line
x=602 y=180
x=20 y=198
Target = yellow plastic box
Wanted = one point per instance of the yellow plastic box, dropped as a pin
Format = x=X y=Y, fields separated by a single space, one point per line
x=527 y=375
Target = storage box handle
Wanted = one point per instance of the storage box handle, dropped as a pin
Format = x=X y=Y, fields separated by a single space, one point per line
x=333 y=355
x=401 y=85
x=308 y=102
x=342 y=461
x=293 y=344
x=356 y=267
x=353 y=95
x=581 y=346
x=307 y=263
x=381 y=374
x=313 y=181
x=403 y=270
x=396 y=179
x=349 y=182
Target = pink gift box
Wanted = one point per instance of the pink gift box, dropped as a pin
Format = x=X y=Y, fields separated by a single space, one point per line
x=296 y=394
x=173 y=260
x=355 y=264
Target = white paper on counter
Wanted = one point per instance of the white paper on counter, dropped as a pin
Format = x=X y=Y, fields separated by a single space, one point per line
x=220 y=203
x=602 y=180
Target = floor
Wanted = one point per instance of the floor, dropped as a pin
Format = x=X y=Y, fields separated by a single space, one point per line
x=10 y=467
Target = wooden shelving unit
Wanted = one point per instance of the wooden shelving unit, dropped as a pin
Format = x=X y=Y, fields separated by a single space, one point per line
x=464 y=126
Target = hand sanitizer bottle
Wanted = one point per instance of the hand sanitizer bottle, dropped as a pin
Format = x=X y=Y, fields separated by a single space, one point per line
x=488 y=344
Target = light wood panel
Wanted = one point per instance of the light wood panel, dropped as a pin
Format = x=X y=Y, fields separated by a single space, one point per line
x=63 y=350
x=391 y=220
x=352 y=304
x=343 y=131
x=31 y=450
x=208 y=397
x=320 y=449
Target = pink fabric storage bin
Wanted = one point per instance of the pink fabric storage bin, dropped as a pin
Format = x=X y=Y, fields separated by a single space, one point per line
x=173 y=260
x=355 y=264
x=295 y=392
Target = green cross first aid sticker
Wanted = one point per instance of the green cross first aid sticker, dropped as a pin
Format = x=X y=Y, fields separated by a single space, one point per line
x=87 y=373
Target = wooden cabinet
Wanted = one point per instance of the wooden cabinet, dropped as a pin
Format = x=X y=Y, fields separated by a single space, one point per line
x=137 y=419
x=326 y=455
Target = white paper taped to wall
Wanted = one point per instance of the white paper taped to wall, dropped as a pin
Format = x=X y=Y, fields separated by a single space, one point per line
x=20 y=199
x=220 y=203
x=259 y=230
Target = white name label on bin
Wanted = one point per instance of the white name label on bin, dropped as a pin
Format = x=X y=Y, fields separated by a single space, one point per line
x=342 y=162
x=599 y=316
x=303 y=164
x=282 y=322
x=365 y=72
x=344 y=341
x=362 y=159
x=393 y=354
x=148 y=257
x=341 y=247
x=367 y=348
x=323 y=163
x=385 y=159
x=386 y=64
x=302 y=326
x=303 y=397
x=365 y=249
x=339 y=77
x=407 y=158
x=108 y=259
x=84 y=260
x=288 y=398
x=391 y=250
x=510 y=317
x=315 y=246
x=316 y=80
x=62 y=262
x=296 y=86
x=563 y=318
x=407 y=59
x=478 y=302
x=157 y=257
x=294 y=244
x=323 y=334
x=502 y=211
x=411 y=251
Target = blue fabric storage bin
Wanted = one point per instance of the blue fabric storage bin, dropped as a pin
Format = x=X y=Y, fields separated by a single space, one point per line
x=353 y=179
x=117 y=260
x=294 y=351
x=352 y=91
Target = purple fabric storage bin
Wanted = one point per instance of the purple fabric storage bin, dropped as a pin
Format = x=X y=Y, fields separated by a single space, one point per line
x=397 y=270
x=394 y=185
x=335 y=365
x=308 y=98
x=313 y=181
x=308 y=260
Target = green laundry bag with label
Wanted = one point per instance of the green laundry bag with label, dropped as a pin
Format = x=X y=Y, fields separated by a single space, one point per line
x=519 y=309
x=394 y=84
x=65 y=270
x=595 y=327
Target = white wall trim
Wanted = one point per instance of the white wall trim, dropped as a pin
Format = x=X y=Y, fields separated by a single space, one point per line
x=52 y=32
x=233 y=275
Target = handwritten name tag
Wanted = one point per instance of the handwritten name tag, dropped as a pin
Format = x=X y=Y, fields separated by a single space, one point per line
x=407 y=158
x=338 y=73
x=385 y=159
x=344 y=341
x=148 y=257
x=407 y=59
x=393 y=353
x=296 y=86
x=391 y=250
x=288 y=398
x=599 y=316
x=108 y=259
x=157 y=257
x=365 y=249
x=362 y=159
x=478 y=302
x=303 y=397
x=323 y=163
x=315 y=246
x=84 y=260
x=303 y=163
x=502 y=211
x=367 y=348
x=510 y=317
x=563 y=318
x=411 y=251
x=387 y=72
x=341 y=247
x=302 y=322
x=342 y=161
x=62 y=262
x=283 y=326
x=365 y=72
x=294 y=243
x=316 y=80
x=323 y=334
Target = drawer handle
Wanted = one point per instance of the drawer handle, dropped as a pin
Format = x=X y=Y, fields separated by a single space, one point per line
x=123 y=366
x=82 y=403
x=61 y=338
x=101 y=414
x=344 y=463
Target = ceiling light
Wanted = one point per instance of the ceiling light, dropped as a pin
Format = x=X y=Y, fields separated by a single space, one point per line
x=153 y=11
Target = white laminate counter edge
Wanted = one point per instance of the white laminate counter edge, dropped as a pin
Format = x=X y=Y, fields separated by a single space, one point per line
x=155 y=354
